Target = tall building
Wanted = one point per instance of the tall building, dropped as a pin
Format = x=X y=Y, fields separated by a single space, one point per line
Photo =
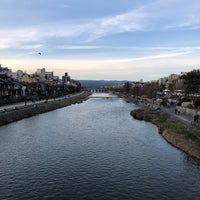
x=66 y=79
x=40 y=71
x=162 y=81
x=42 y=74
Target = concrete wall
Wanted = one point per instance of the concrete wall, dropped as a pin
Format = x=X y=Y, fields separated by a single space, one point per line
x=28 y=111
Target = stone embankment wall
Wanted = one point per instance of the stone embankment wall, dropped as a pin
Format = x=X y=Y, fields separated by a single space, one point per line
x=27 y=111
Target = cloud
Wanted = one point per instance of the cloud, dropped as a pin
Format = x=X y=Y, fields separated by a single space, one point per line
x=4 y=43
x=153 y=57
x=19 y=38
x=136 y=48
x=156 y=16
x=75 y=47
x=30 y=46
x=175 y=14
x=64 y=6
x=127 y=22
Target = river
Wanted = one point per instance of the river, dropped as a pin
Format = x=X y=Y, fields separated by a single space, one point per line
x=93 y=150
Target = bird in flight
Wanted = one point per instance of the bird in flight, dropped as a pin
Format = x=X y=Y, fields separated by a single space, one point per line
x=39 y=53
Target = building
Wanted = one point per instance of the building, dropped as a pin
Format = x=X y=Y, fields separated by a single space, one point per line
x=9 y=87
x=4 y=70
x=28 y=78
x=42 y=74
x=40 y=71
x=162 y=81
x=173 y=78
x=66 y=79
x=48 y=76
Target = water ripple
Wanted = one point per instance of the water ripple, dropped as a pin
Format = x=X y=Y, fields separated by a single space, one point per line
x=94 y=150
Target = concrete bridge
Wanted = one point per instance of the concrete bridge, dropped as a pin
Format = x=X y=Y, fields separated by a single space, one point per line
x=96 y=90
x=102 y=97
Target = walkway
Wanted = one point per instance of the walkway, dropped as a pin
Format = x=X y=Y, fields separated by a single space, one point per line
x=19 y=105
x=184 y=119
x=181 y=116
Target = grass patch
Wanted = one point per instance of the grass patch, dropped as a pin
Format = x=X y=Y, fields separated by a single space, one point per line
x=164 y=124
x=178 y=135
x=174 y=128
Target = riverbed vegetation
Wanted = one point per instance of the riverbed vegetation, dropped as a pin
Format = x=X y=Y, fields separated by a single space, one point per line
x=175 y=133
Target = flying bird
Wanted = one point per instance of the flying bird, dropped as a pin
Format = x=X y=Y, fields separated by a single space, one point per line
x=39 y=53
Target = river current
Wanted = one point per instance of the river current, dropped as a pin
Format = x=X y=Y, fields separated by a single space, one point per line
x=93 y=150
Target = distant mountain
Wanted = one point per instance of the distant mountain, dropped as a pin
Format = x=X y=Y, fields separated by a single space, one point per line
x=100 y=83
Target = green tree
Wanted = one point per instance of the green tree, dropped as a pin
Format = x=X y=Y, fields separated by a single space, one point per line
x=191 y=81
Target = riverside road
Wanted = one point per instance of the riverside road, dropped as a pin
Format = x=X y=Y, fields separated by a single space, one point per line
x=10 y=107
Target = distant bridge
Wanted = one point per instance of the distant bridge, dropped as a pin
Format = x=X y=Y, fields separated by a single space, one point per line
x=104 y=97
x=97 y=90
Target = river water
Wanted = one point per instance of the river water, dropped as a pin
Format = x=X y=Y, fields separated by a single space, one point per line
x=93 y=150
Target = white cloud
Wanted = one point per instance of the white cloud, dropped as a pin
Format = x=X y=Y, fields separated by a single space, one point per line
x=175 y=14
x=4 y=43
x=19 y=38
x=75 y=47
x=159 y=15
x=153 y=57
x=64 y=6
x=135 y=48
x=31 y=47
x=131 y=21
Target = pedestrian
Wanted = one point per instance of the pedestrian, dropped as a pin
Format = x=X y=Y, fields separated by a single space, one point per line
x=196 y=118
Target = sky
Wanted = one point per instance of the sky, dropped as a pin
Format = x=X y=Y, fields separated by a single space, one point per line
x=101 y=39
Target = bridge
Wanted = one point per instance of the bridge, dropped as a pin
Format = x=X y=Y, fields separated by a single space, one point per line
x=108 y=97
x=97 y=90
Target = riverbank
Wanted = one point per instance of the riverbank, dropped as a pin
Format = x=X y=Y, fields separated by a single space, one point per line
x=18 y=113
x=180 y=136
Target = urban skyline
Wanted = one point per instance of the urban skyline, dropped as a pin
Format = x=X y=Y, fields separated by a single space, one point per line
x=127 y=40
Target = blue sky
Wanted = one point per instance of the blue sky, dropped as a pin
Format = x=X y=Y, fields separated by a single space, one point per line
x=101 y=39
